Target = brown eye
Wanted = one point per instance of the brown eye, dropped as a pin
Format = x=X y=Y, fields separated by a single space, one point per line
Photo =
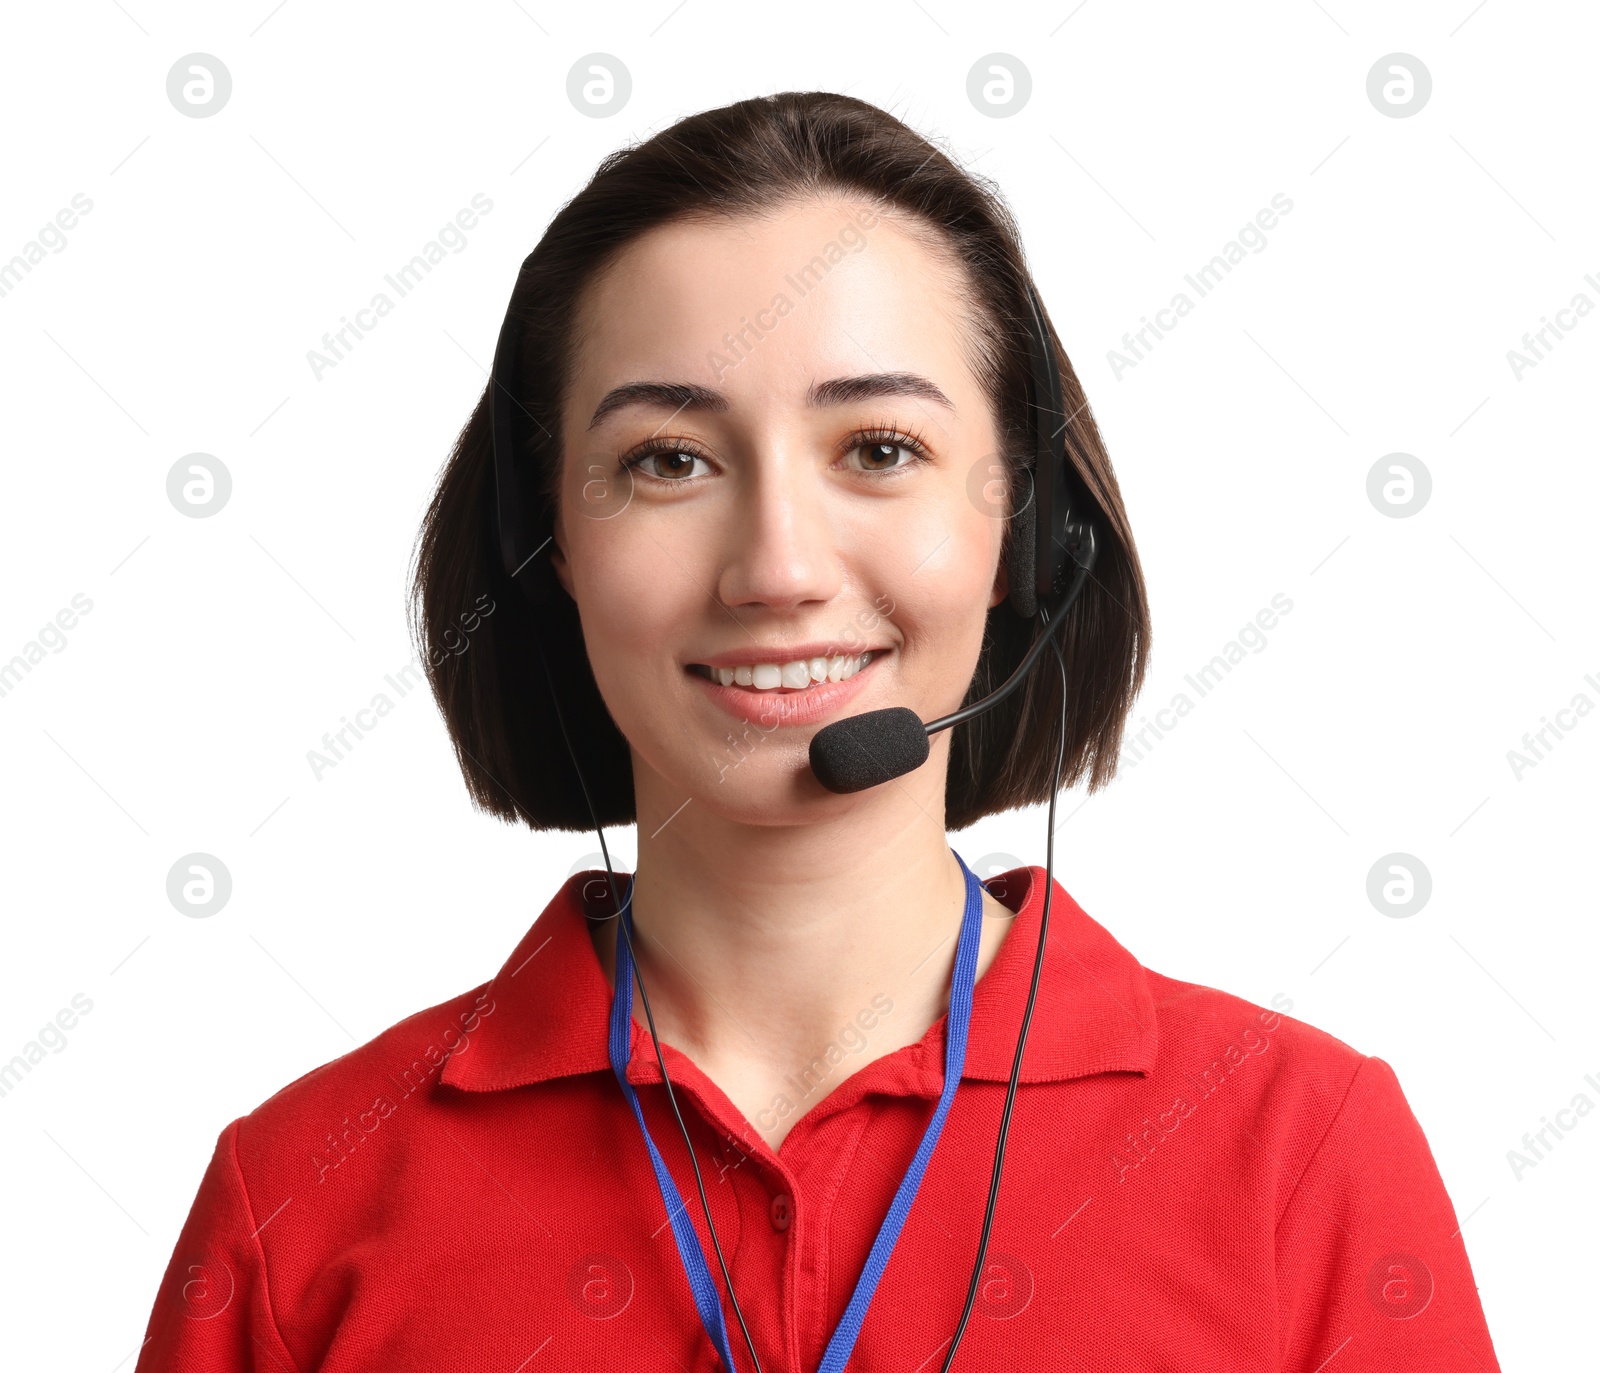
x=674 y=465
x=881 y=456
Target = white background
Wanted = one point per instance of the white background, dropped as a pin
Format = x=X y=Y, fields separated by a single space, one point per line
x=178 y=715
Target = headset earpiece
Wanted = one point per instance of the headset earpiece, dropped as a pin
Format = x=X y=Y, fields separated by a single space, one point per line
x=1020 y=554
x=1040 y=555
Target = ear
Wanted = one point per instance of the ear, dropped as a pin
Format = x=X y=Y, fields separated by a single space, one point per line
x=1002 y=584
x=558 y=557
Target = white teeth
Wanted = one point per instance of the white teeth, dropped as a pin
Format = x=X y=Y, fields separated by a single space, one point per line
x=796 y=674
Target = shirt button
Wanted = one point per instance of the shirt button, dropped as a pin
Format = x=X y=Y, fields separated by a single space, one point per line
x=779 y=1211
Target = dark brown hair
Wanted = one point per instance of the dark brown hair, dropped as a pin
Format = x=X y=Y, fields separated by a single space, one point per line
x=747 y=158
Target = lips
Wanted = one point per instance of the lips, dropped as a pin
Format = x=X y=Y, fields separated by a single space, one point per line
x=794 y=674
x=842 y=678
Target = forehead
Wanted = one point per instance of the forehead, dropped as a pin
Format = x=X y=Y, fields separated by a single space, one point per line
x=765 y=305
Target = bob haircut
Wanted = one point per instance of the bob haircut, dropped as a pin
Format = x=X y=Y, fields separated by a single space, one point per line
x=747 y=159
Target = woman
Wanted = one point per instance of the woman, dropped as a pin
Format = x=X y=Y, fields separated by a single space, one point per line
x=764 y=466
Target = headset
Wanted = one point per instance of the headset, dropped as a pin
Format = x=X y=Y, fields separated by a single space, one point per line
x=1051 y=555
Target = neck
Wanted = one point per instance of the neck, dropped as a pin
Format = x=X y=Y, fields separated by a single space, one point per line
x=764 y=946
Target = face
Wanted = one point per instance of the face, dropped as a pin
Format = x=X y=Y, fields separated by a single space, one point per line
x=771 y=514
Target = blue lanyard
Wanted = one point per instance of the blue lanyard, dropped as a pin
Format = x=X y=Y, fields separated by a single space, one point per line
x=695 y=1267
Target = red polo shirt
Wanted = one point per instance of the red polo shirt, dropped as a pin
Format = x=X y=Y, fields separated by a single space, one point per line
x=1191 y=1183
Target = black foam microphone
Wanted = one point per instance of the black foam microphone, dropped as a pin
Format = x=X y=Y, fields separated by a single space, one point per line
x=875 y=747
x=868 y=750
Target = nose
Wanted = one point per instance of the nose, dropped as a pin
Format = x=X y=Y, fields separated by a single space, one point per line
x=783 y=549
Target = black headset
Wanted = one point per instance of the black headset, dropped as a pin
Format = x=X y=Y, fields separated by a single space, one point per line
x=1051 y=555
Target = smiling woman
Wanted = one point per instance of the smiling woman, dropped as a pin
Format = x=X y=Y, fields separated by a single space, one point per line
x=711 y=545
x=783 y=502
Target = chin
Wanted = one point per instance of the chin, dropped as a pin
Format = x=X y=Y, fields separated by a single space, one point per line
x=771 y=784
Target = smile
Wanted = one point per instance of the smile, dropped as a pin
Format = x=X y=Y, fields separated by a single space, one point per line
x=798 y=674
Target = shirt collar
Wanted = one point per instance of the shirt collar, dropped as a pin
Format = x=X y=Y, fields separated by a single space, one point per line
x=551 y=1002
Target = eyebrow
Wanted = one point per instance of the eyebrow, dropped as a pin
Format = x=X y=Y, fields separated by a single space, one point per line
x=840 y=391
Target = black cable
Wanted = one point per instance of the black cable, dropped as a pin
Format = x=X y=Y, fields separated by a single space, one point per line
x=1047 y=636
x=1048 y=633
x=1020 y=672
x=644 y=997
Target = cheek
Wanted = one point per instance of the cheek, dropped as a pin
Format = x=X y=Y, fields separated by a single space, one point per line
x=634 y=616
x=942 y=605
x=950 y=608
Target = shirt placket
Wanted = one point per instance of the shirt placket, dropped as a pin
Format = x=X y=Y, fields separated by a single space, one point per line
x=781 y=1261
x=760 y=1192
